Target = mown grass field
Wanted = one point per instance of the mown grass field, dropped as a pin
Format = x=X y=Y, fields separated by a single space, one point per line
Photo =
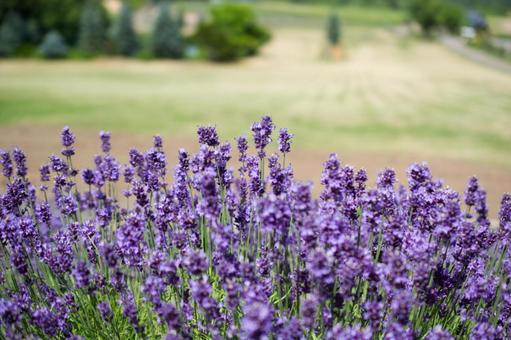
x=392 y=100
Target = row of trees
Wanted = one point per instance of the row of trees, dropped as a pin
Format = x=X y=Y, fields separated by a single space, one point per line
x=230 y=33
x=95 y=34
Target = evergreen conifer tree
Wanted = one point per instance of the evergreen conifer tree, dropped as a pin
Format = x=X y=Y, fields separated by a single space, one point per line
x=53 y=46
x=334 y=29
x=125 y=37
x=11 y=34
x=93 y=25
x=167 y=41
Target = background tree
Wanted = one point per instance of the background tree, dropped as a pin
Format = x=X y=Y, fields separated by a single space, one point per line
x=231 y=33
x=451 y=18
x=93 y=28
x=435 y=14
x=11 y=34
x=425 y=13
x=53 y=46
x=125 y=38
x=167 y=40
x=42 y=16
x=334 y=29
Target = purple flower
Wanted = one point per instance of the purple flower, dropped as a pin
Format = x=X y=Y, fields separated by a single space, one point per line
x=130 y=311
x=438 y=333
x=284 y=141
x=386 y=179
x=373 y=313
x=261 y=132
x=5 y=160
x=21 y=162
x=396 y=331
x=201 y=293
x=319 y=265
x=110 y=255
x=195 y=262
x=309 y=311
x=355 y=333
x=136 y=158
x=44 y=171
x=58 y=165
x=274 y=214
x=169 y=315
x=208 y=136
x=81 y=275
x=105 y=141
x=291 y=330
x=257 y=321
x=209 y=205
x=88 y=176
x=105 y=310
x=471 y=192
x=401 y=305
x=157 y=141
x=46 y=321
x=485 y=331
x=242 y=144
x=10 y=312
x=153 y=288
x=67 y=139
x=505 y=213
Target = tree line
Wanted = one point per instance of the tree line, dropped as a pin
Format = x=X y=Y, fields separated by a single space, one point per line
x=231 y=32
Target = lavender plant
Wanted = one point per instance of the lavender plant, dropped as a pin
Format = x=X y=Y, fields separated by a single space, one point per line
x=246 y=253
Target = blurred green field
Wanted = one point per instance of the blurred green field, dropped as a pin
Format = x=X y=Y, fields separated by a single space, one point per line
x=392 y=94
x=278 y=13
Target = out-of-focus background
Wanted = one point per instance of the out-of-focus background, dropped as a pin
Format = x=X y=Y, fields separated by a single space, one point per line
x=383 y=83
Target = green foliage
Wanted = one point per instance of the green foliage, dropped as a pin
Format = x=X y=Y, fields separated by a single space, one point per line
x=231 y=33
x=53 y=46
x=43 y=16
x=334 y=29
x=125 y=38
x=451 y=18
x=11 y=34
x=93 y=28
x=167 y=41
x=435 y=14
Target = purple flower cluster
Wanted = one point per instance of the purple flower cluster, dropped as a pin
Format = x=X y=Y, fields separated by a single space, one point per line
x=247 y=253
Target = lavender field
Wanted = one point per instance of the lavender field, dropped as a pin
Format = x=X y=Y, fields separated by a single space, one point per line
x=268 y=170
x=243 y=250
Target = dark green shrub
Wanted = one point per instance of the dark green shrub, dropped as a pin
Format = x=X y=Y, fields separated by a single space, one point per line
x=11 y=34
x=435 y=14
x=451 y=18
x=334 y=29
x=125 y=38
x=425 y=13
x=93 y=27
x=167 y=41
x=231 y=33
x=53 y=46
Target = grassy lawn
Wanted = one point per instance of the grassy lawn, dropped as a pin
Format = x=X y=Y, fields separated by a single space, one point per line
x=412 y=96
x=284 y=13
x=392 y=100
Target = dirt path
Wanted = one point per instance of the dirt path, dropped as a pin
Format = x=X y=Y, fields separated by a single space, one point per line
x=457 y=45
